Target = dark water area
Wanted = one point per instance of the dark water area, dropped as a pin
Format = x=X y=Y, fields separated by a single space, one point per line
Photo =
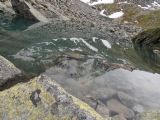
x=14 y=23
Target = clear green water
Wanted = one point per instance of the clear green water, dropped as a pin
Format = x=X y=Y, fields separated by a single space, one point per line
x=32 y=52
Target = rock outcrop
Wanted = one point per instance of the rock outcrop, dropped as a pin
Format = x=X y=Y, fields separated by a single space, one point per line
x=147 y=45
x=26 y=10
x=8 y=72
x=42 y=98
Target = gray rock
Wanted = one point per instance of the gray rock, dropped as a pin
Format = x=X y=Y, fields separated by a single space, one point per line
x=103 y=110
x=6 y=7
x=7 y=71
x=118 y=117
x=126 y=99
x=98 y=106
x=138 y=108
x=26 y=10
x=116 y=107
x=103 y=93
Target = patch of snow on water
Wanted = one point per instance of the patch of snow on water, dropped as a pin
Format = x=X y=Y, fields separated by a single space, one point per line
x=55 y=39
x=94 y=39
x=116 y=15
x=25 y=55
x=75 y=40
x=106 y=43
x=90 y=46
x=76 y=49
x=46 y=43
x=102 y=2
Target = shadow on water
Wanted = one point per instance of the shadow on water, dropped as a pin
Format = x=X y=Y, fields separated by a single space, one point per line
x=14 y=23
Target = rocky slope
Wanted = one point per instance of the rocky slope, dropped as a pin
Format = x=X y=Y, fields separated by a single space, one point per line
x=141 y=13
x=71 y=13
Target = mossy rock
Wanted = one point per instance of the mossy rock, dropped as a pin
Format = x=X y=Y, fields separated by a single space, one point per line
x=43 y=99
x=149 y=38
x=147 y=44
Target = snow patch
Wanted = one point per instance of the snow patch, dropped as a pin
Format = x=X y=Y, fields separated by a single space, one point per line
x=102 y=13
x=85 y=1
x=76 y=49
x=113 y=16
x=90 y=46
x=125 y=2
x=152 y=6
x=156 y=4
x=116 y=15
x=106 y=43
x=94 y=39
x=75 y=40
x=102 y=2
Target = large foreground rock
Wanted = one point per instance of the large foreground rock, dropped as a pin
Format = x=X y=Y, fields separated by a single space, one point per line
x=8 y=71
x=42 y=99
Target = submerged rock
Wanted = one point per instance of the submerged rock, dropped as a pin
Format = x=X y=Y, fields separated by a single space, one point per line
x=116 y=108
x=8 y=72
x=149 y=115
x=42 y=98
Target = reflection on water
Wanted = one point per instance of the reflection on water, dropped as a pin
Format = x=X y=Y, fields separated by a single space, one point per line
x=149 y=55
x=37 y=50
x=134 y=88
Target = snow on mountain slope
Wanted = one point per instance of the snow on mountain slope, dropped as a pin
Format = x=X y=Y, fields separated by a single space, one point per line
x=108 y=8
x=150 y=4
x=102 y=2
x=114 y=15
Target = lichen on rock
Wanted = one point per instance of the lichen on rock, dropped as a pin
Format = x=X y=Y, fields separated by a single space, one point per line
x=42 y=98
